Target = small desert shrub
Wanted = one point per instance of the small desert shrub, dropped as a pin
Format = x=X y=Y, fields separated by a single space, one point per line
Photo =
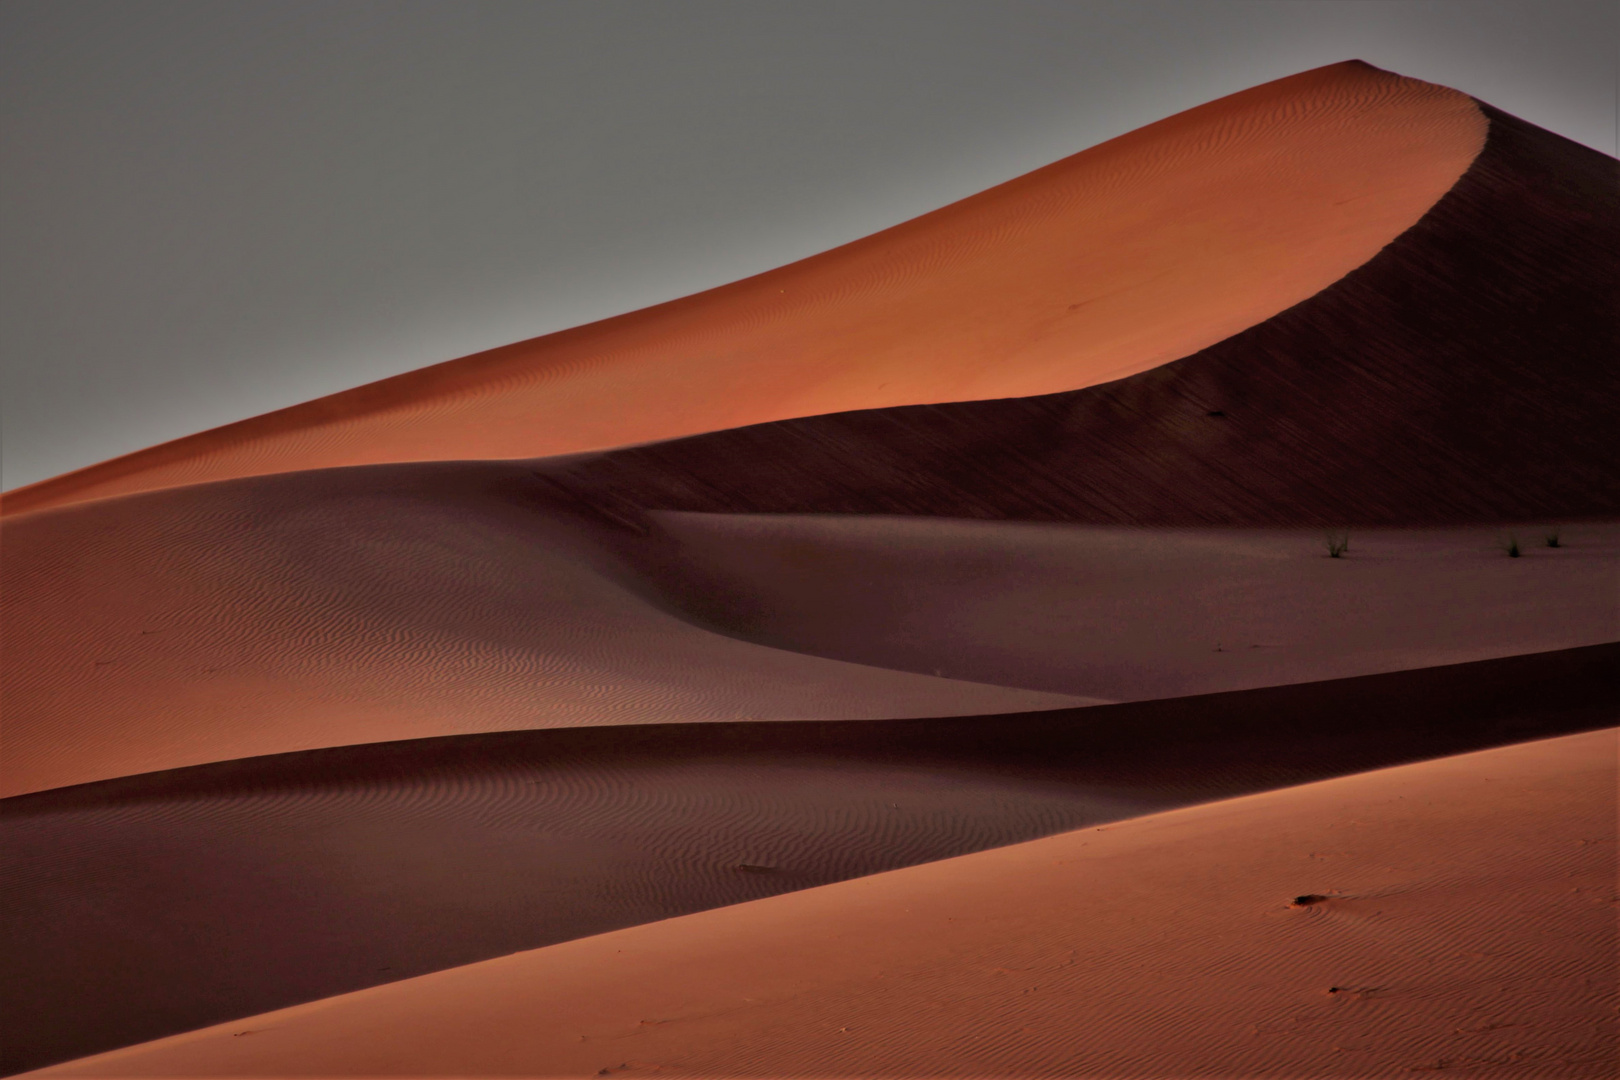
x=1554 y=540
x=1338 y=542
x=1511 y=546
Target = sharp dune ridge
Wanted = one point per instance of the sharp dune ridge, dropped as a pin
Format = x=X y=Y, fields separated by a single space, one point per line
x=353 y=605
x=1465 y=373
x=920 y=660
x=1175 y=944
x=290 y=612
x=267 y=882
x=1117 y=259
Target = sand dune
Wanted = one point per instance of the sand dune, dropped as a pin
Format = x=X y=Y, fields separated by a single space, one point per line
x=281 y=613
x=1141 y=250
x=571 y=765
x=1128 y=614
x=1463 y=374
x=321 y=609
x=258 y=884
x=1457 y=916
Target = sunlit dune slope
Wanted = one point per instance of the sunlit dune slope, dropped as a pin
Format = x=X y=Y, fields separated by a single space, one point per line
x=1133 y=253
x=155 y=904
x=319 y=609
x=1466 y=373
x=1455 y=915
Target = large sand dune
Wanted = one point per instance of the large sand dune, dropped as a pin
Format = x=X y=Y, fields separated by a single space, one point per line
x=225 y=890
x=572 y=765
x=1454 y=916
x=1125 y=256
x=1464 y=373
x=283 y=613
x=353 y=605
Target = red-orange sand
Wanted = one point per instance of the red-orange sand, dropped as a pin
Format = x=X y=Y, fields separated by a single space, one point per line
x=281 y=613
x=1136 y=252
x=1454 y=917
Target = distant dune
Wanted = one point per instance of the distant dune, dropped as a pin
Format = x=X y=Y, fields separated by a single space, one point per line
x=1454 y=916
x=1466 y=373
x=661 y=696
x=285 y=613
x=1125 y=256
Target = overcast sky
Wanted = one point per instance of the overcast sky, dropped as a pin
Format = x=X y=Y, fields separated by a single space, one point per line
x=214 y=209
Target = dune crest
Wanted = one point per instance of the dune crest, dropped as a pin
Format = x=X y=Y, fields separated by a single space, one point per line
x=1125 y=256
x=282 y=613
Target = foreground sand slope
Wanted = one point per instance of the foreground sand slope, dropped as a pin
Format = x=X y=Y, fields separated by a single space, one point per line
x=355 y=605
x=1133 y=253
x=1458 y=917
x=151 y=905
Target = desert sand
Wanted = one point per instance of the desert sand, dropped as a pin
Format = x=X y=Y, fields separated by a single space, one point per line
x=1124 y=256
x=224 y=890
x=286 y=613
x=1454 y=916
x=661 y=696
x=1133 y=614
x=1464 y=373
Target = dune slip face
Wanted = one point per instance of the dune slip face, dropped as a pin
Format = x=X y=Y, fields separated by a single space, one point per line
x=1463 y=374
x=1133 y=253
x=1453 y=916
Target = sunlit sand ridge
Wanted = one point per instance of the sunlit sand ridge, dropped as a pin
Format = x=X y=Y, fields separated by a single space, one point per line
x=1133 y=253
x=280 y=735
x=1454 y=915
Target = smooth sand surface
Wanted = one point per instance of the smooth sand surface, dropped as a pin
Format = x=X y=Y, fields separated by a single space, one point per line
x=156 y=904
x=1463 y=374
x=1127 y=614
x=1453 y=916
x=1133 y=253
x=323 y=609
x=167 y=911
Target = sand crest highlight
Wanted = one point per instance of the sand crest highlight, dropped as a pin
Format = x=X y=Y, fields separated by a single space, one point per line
x=1133 y=253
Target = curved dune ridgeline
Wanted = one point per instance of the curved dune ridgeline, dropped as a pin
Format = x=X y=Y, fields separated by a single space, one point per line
x=1453 y=916
x=1127 y=255
x=1465 y=373
x=290 y=612
x=272 y=881
x=279 y=613
x=1215 y=517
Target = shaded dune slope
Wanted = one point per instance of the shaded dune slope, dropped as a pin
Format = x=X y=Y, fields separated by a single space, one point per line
x=281 y=613
x=353 y=605
x=1465 y=373
x=1457 y=917
x=1129 y=613
x=1138 y=251
x=149 y=905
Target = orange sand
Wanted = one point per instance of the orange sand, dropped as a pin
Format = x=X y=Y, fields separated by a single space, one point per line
x=292 y=612
x=1136 y=252
x=1464 y=924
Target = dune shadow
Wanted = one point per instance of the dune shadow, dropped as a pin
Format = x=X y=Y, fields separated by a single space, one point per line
x=154 y=904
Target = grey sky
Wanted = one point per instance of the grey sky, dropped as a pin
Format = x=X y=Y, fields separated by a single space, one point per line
x=214 y=209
